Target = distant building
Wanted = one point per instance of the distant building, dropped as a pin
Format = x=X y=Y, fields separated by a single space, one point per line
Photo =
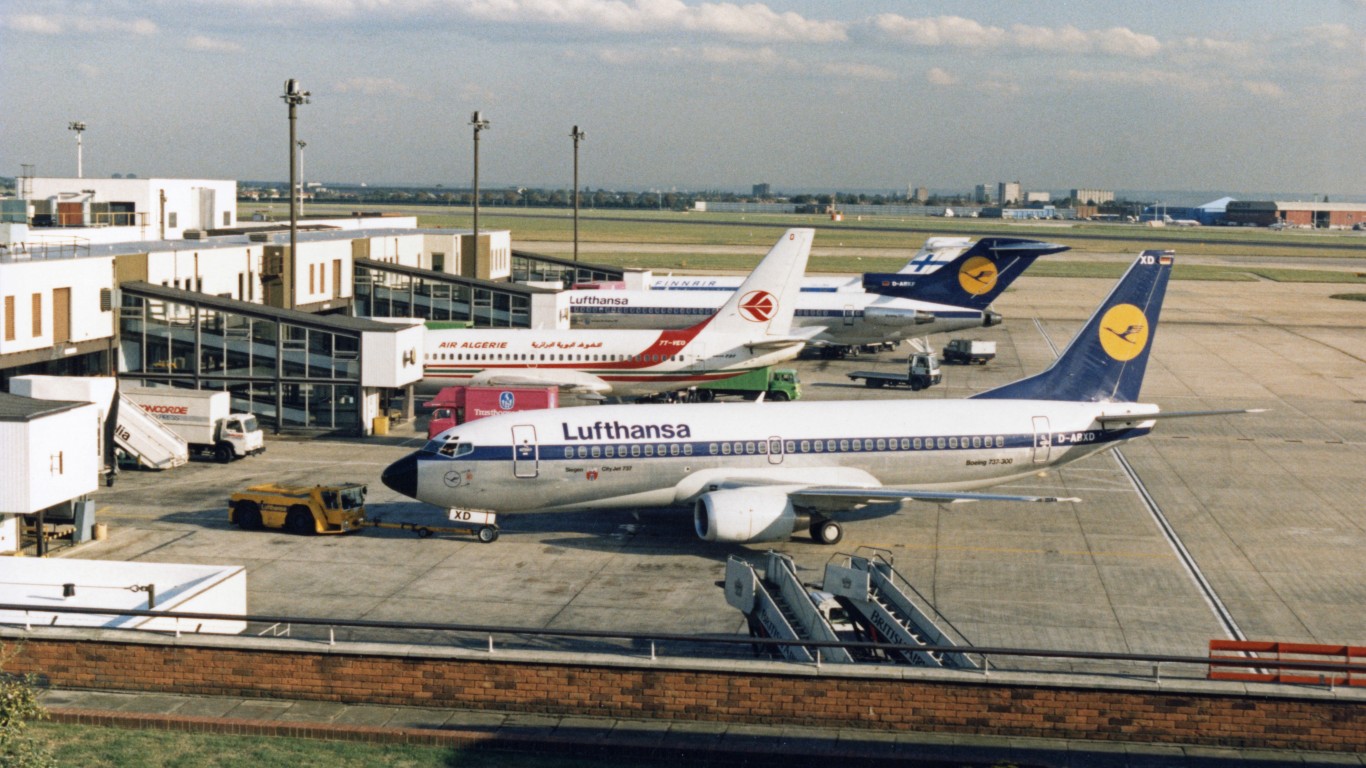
x=1209 y=214
x=1037 y=197
x=920 y=195
x=1266 y=213
x=1008 y=192
x=763 y=190
x=1093 y=196
x=981 y=194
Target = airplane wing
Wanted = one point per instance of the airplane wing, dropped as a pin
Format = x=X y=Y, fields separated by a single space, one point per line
x=571 y=382
x=1110 y=419
x=828 y=498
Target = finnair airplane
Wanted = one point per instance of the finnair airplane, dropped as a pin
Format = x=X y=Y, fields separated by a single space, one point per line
x=755 y=472
x=751 y=330
x=974 y=279
x=962 y=277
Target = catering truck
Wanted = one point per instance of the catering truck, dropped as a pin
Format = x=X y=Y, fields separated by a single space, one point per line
x=204 y=420
x=459 y=404
x=969 y=351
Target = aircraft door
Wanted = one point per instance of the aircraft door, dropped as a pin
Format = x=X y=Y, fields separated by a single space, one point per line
x=775 y=450
x=848 y=314
x=525 y=452
x=1043 y=440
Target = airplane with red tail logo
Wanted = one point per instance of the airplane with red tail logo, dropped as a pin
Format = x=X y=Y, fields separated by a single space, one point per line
x=753 y=329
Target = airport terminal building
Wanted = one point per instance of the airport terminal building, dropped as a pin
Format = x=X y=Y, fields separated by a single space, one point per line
x=156 y=281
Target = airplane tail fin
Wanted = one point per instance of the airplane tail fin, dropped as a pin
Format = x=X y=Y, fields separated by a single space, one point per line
x=1105 y=361
x=763 y=305
x=974 y=279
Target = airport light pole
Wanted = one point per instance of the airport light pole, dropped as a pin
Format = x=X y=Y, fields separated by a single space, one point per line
x=480 y=125
x=302 y=176
x=577 y=136
x=79 y=128
x=293 y=96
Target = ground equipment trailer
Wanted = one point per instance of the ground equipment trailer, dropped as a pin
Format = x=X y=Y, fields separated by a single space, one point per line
x=775 y=384
x=969 y=351
x=922 y=370
x=203 y=418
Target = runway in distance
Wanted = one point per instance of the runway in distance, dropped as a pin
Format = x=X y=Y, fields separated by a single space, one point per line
x=963 y=287
x=755 y=472
x=752 y=329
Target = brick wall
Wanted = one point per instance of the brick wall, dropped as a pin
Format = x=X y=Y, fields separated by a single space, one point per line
x=1184 y=712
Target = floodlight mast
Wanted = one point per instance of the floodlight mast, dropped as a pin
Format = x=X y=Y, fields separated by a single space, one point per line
x=302 y=176
x=79 y=128
x=480 y=124
x=293 y=96
x=577 y=136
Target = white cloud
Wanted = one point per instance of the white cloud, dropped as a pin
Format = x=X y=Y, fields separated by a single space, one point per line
x=847 y=70
x=204 y=44
x=375 y=86
x=940 y=76
x=952 y=31
x=754 y=21
x=58 y=24
x=958 y=32
x=1263 y=89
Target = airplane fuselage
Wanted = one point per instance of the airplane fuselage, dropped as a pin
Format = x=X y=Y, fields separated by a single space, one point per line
x=627 y=362
x=662 y=455
x=848 y=317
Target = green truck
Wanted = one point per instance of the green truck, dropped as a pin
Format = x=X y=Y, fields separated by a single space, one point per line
x=773 y=383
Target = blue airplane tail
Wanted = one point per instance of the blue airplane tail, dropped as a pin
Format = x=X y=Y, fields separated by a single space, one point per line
x=1105 y=361
x=974 y=279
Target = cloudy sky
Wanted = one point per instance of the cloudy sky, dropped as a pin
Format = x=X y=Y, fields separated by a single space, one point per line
x=1253 y=95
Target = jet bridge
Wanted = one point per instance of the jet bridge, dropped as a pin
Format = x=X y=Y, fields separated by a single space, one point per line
x=778 y=605
x=887 y=609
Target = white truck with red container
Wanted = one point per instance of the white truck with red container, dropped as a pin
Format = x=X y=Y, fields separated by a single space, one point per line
x=457 y=405
x=204 y=419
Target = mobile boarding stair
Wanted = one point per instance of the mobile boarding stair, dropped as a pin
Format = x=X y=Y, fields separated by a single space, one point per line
x=880 y=607
x=887 y=609
x=778 y=606
x=145 y=438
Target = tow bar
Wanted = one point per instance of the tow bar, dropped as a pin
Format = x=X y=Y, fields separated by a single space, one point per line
x=480 y=524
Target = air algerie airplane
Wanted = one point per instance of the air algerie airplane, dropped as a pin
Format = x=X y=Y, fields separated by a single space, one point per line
x=756 y=472
x=751 y=330
x=962 y=288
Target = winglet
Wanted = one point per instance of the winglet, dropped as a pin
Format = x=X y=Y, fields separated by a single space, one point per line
x=973 y=279
x=764 y=304
x=1105 y=361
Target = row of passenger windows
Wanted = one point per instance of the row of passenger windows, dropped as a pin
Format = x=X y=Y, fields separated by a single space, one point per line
x=514 y=357
x=750 y=447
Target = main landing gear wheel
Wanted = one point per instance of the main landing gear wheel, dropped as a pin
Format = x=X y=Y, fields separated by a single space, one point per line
x=827 y=532
x=488 y=534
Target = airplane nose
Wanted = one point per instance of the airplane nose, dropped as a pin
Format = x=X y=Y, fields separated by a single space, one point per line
x=401 y=476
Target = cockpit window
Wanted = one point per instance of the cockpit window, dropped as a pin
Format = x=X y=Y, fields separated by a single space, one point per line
x=455 y=449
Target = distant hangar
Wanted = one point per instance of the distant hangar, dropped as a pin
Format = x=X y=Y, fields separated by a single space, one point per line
x=1263 y=213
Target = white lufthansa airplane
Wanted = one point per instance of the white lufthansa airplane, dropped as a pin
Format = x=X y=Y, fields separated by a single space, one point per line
x=757 y=472
x=947 y=287
x=751 y=330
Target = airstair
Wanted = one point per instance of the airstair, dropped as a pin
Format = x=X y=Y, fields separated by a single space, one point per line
x=779 y=606
x=887 y=609
x=145 y=438
x=863 y=599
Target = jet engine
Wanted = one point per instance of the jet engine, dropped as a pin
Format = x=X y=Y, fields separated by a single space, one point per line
x=895 y=316
x=744 y=515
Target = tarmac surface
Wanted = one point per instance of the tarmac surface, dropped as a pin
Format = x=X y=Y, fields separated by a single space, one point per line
x=1268 y=506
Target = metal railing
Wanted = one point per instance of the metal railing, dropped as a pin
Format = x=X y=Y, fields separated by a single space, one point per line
x=652 y=645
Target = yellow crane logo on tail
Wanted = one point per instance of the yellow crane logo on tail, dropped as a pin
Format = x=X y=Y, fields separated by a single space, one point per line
x=1124 y=332
x=977 y=275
